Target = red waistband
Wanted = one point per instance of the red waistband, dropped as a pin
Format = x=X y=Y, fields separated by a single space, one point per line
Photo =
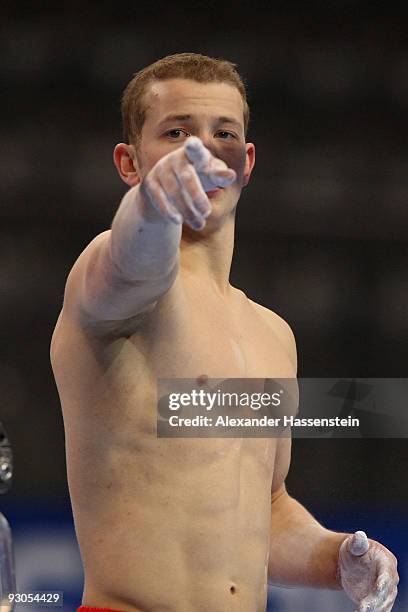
x=90 y=609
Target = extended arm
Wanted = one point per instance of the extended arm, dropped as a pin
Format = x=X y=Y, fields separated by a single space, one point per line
x=126 y=269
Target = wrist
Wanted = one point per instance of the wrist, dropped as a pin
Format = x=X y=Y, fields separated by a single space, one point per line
x=337 y=542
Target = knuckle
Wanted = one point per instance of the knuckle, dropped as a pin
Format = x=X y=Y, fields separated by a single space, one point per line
x=171 y=190
x=170 y=185
x=202 y=201
x=199 y=196
x=186 y=174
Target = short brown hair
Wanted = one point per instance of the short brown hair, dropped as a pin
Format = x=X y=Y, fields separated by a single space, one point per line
x=199 y=68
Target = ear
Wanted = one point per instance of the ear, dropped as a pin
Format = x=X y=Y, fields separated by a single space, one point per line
x=124 y=157
x=249 y=162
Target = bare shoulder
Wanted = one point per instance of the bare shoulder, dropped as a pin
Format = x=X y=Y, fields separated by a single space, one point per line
x=280 y=328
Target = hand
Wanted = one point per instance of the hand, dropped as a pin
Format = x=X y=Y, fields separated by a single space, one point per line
x=176 y=185
x=368 y=573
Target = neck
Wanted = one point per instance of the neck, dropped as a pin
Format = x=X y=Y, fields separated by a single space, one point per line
x=208 y=254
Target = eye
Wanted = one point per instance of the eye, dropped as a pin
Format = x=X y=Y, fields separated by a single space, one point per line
x=226 y=135
x=174 y=133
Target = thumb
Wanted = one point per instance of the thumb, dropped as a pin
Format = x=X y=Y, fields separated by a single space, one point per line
x=358 y=544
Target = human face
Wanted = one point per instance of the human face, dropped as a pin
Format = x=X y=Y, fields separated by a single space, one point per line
x=179 y=108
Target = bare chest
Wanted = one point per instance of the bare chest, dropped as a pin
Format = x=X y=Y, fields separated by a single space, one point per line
x=218 y=342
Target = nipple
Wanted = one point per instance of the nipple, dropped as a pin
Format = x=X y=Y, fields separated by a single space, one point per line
x=202 y=380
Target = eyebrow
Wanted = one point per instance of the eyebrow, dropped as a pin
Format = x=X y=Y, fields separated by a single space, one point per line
x=190 y=118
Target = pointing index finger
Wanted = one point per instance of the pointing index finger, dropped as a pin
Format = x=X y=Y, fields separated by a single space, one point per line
x=197 y=153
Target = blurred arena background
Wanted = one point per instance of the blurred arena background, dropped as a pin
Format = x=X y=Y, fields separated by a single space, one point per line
x=322 y=230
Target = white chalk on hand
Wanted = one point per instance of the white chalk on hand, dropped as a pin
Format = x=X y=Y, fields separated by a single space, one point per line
x=197 y=154
x=358 y=544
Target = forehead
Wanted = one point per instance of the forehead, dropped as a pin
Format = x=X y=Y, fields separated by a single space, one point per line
x=184 y=96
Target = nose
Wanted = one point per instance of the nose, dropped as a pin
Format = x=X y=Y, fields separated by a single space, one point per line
x=209 y=142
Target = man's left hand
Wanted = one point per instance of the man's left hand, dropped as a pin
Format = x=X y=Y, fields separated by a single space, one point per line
x=368 y=573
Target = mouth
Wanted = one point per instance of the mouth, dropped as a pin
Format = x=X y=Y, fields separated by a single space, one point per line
x=213 y=192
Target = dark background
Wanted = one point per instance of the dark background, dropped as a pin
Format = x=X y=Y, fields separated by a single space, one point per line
x=322 y=228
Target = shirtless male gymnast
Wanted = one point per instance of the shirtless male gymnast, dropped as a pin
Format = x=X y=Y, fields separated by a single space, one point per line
x=184 y=525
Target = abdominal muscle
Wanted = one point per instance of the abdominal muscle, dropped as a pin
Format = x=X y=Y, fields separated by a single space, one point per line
x=178 y=525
